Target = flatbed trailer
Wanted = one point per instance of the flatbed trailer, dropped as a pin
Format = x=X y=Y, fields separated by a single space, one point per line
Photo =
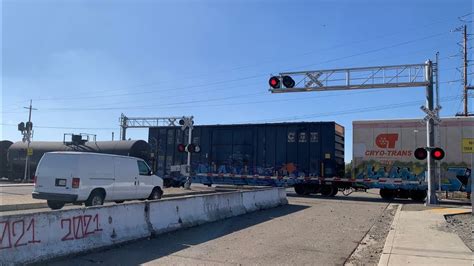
x=330 y=186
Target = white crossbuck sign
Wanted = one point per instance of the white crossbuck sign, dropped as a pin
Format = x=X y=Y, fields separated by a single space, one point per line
x=431 y=114
x=314 y=79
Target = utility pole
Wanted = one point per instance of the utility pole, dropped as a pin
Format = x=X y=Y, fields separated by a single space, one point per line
x=465 y=71
x=27 y=133
x=438 y=107
x=123 y=127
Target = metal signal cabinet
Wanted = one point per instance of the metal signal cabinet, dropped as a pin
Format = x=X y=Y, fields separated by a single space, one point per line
x=301 y=149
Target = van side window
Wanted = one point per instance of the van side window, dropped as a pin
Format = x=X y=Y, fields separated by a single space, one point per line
x=143 y=168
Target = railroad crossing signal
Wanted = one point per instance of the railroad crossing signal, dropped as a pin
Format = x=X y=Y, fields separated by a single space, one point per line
x=288 y=82
x=186 y=122
x=421 y=153
x=436 y=153
x=431 y=114
x=275 y=82
x=191 y=148
x=181 y=148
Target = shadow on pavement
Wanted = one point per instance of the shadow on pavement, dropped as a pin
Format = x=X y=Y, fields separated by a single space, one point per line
x=163 y=245
x=371 y=198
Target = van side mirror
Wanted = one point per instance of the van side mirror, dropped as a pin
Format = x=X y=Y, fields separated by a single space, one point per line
x=150 y=172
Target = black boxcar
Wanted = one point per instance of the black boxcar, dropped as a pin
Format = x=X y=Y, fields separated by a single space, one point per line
x=284 y=149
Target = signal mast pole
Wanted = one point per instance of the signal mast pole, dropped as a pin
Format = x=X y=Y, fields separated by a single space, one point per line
x=398 y=76
x=430 y=136
x=27 y=137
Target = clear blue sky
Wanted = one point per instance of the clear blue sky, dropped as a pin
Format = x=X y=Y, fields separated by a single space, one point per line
x=85 y=62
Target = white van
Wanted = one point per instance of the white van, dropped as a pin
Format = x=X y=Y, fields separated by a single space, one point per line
x=92 y=178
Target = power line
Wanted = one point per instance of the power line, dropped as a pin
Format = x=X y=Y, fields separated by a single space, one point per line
x=249 y=77
x=227 y=87
x=274 y=60
x=335 y=113
x=154 y=106
x=58 y=127
x=353 y=111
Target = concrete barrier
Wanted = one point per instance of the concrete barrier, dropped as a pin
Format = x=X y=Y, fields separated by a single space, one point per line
x=39 y=236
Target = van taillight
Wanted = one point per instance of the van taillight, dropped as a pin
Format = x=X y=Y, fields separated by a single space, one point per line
x=75 y=182
x=34 y=180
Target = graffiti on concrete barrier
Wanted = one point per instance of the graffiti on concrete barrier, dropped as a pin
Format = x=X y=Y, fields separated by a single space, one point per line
x=79 y=227
x=17 y=233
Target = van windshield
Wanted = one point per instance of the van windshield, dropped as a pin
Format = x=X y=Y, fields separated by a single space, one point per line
x=143 y=168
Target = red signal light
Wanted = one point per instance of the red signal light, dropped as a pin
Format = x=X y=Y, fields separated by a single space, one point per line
x=437 y=153
x=181 y=148
x=274 y=82
x=421 y=153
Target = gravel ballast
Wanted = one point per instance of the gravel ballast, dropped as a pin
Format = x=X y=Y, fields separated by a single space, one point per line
x=462 y=225
x=370 y=248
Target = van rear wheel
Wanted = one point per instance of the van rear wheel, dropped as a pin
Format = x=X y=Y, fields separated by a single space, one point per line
x=156 y=194
x=55 y=205
x=95 y=199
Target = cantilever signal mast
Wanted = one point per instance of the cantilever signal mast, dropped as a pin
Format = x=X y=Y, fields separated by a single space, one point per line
x=399 y=76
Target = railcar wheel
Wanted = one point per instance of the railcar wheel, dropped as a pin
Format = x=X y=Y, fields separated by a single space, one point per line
x=300 y=189
x=418 y=195
x=387 y=194
x=327 y=190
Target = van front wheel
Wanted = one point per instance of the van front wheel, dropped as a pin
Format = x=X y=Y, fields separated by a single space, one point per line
x=96 y=198
x=55 y=205
x=155 y=194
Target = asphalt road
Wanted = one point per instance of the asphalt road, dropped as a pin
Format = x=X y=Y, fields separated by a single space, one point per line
x=310 y=230
x=12 y=190
x=11 y=194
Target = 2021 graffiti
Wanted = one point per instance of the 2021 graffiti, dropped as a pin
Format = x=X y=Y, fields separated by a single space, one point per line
x=22 y=232
x=17 y=233
x=80 y=226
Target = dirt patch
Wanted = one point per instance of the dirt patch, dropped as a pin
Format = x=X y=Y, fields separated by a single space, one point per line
x=370 y=248
x=461 y=224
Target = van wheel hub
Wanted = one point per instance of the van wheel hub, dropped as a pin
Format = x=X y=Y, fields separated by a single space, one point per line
x=96 y=201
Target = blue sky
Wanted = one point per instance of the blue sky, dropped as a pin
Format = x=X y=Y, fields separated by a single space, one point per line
x=83 y=63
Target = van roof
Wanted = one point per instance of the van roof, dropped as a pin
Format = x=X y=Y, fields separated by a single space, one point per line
x=95 y=153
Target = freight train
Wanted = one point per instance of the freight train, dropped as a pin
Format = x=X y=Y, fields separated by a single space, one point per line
x=12 y=162
x=309 y=156
x=4 y=146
